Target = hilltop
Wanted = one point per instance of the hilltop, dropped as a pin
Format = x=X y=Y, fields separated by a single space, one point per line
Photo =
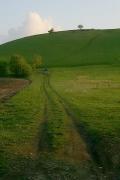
x=68 y=48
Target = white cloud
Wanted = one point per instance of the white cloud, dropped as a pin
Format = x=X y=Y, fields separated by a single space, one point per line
x=33 y=24
x=36 y=24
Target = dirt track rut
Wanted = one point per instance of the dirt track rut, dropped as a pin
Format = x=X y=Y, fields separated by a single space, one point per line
x=75 y=148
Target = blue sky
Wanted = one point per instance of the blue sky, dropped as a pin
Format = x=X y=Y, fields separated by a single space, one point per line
x=17 y=16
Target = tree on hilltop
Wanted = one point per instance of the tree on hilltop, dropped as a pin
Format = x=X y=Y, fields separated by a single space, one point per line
x=51 y=30
x=80 y=26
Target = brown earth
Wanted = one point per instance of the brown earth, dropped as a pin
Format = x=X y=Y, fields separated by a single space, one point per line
x=10 y=86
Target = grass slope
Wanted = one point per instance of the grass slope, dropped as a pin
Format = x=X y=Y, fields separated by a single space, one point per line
x=91 y=92
x=70 y=48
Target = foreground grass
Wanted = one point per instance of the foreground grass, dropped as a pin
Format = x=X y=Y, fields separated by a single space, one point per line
x=20 y=120
x=34 y=137
x=93 y=94
x=36 y=113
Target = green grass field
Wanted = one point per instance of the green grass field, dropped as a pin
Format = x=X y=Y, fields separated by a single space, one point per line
x=93 y=93
x=66 y=123
x=35 y=135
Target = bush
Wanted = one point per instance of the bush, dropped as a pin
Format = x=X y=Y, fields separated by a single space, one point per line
x=3 y=69
x=19 y=67
x=37 y=62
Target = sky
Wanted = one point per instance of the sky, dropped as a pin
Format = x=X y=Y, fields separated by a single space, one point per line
x=19 y=18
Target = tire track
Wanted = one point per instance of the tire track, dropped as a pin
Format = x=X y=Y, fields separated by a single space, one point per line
x=75 y=147
x=90 y=41
x=54 y=126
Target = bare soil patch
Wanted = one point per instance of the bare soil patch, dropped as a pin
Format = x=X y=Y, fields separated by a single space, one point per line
x=10 y=86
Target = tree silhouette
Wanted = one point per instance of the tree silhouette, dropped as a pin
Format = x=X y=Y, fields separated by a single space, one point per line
x=51 y=30
x=80 y=26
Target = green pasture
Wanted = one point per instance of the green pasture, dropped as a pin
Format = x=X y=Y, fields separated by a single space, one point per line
x=70 y=48
x=93 y=94
x=83 y=81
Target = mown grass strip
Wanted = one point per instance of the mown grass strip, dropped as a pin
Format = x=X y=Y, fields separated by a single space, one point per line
x=56 y=119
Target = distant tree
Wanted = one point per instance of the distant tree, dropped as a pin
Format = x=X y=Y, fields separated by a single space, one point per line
x=19 y=67
x=51 y=30
x=3 y=69
x=37 y=62
x=80 y=26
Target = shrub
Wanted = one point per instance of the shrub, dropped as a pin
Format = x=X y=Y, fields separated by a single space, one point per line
x=37 y=62
x=19 y=67
x=3 y=69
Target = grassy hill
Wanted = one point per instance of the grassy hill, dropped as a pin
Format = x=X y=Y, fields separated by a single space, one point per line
x=66 y=123
x=70 y=48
